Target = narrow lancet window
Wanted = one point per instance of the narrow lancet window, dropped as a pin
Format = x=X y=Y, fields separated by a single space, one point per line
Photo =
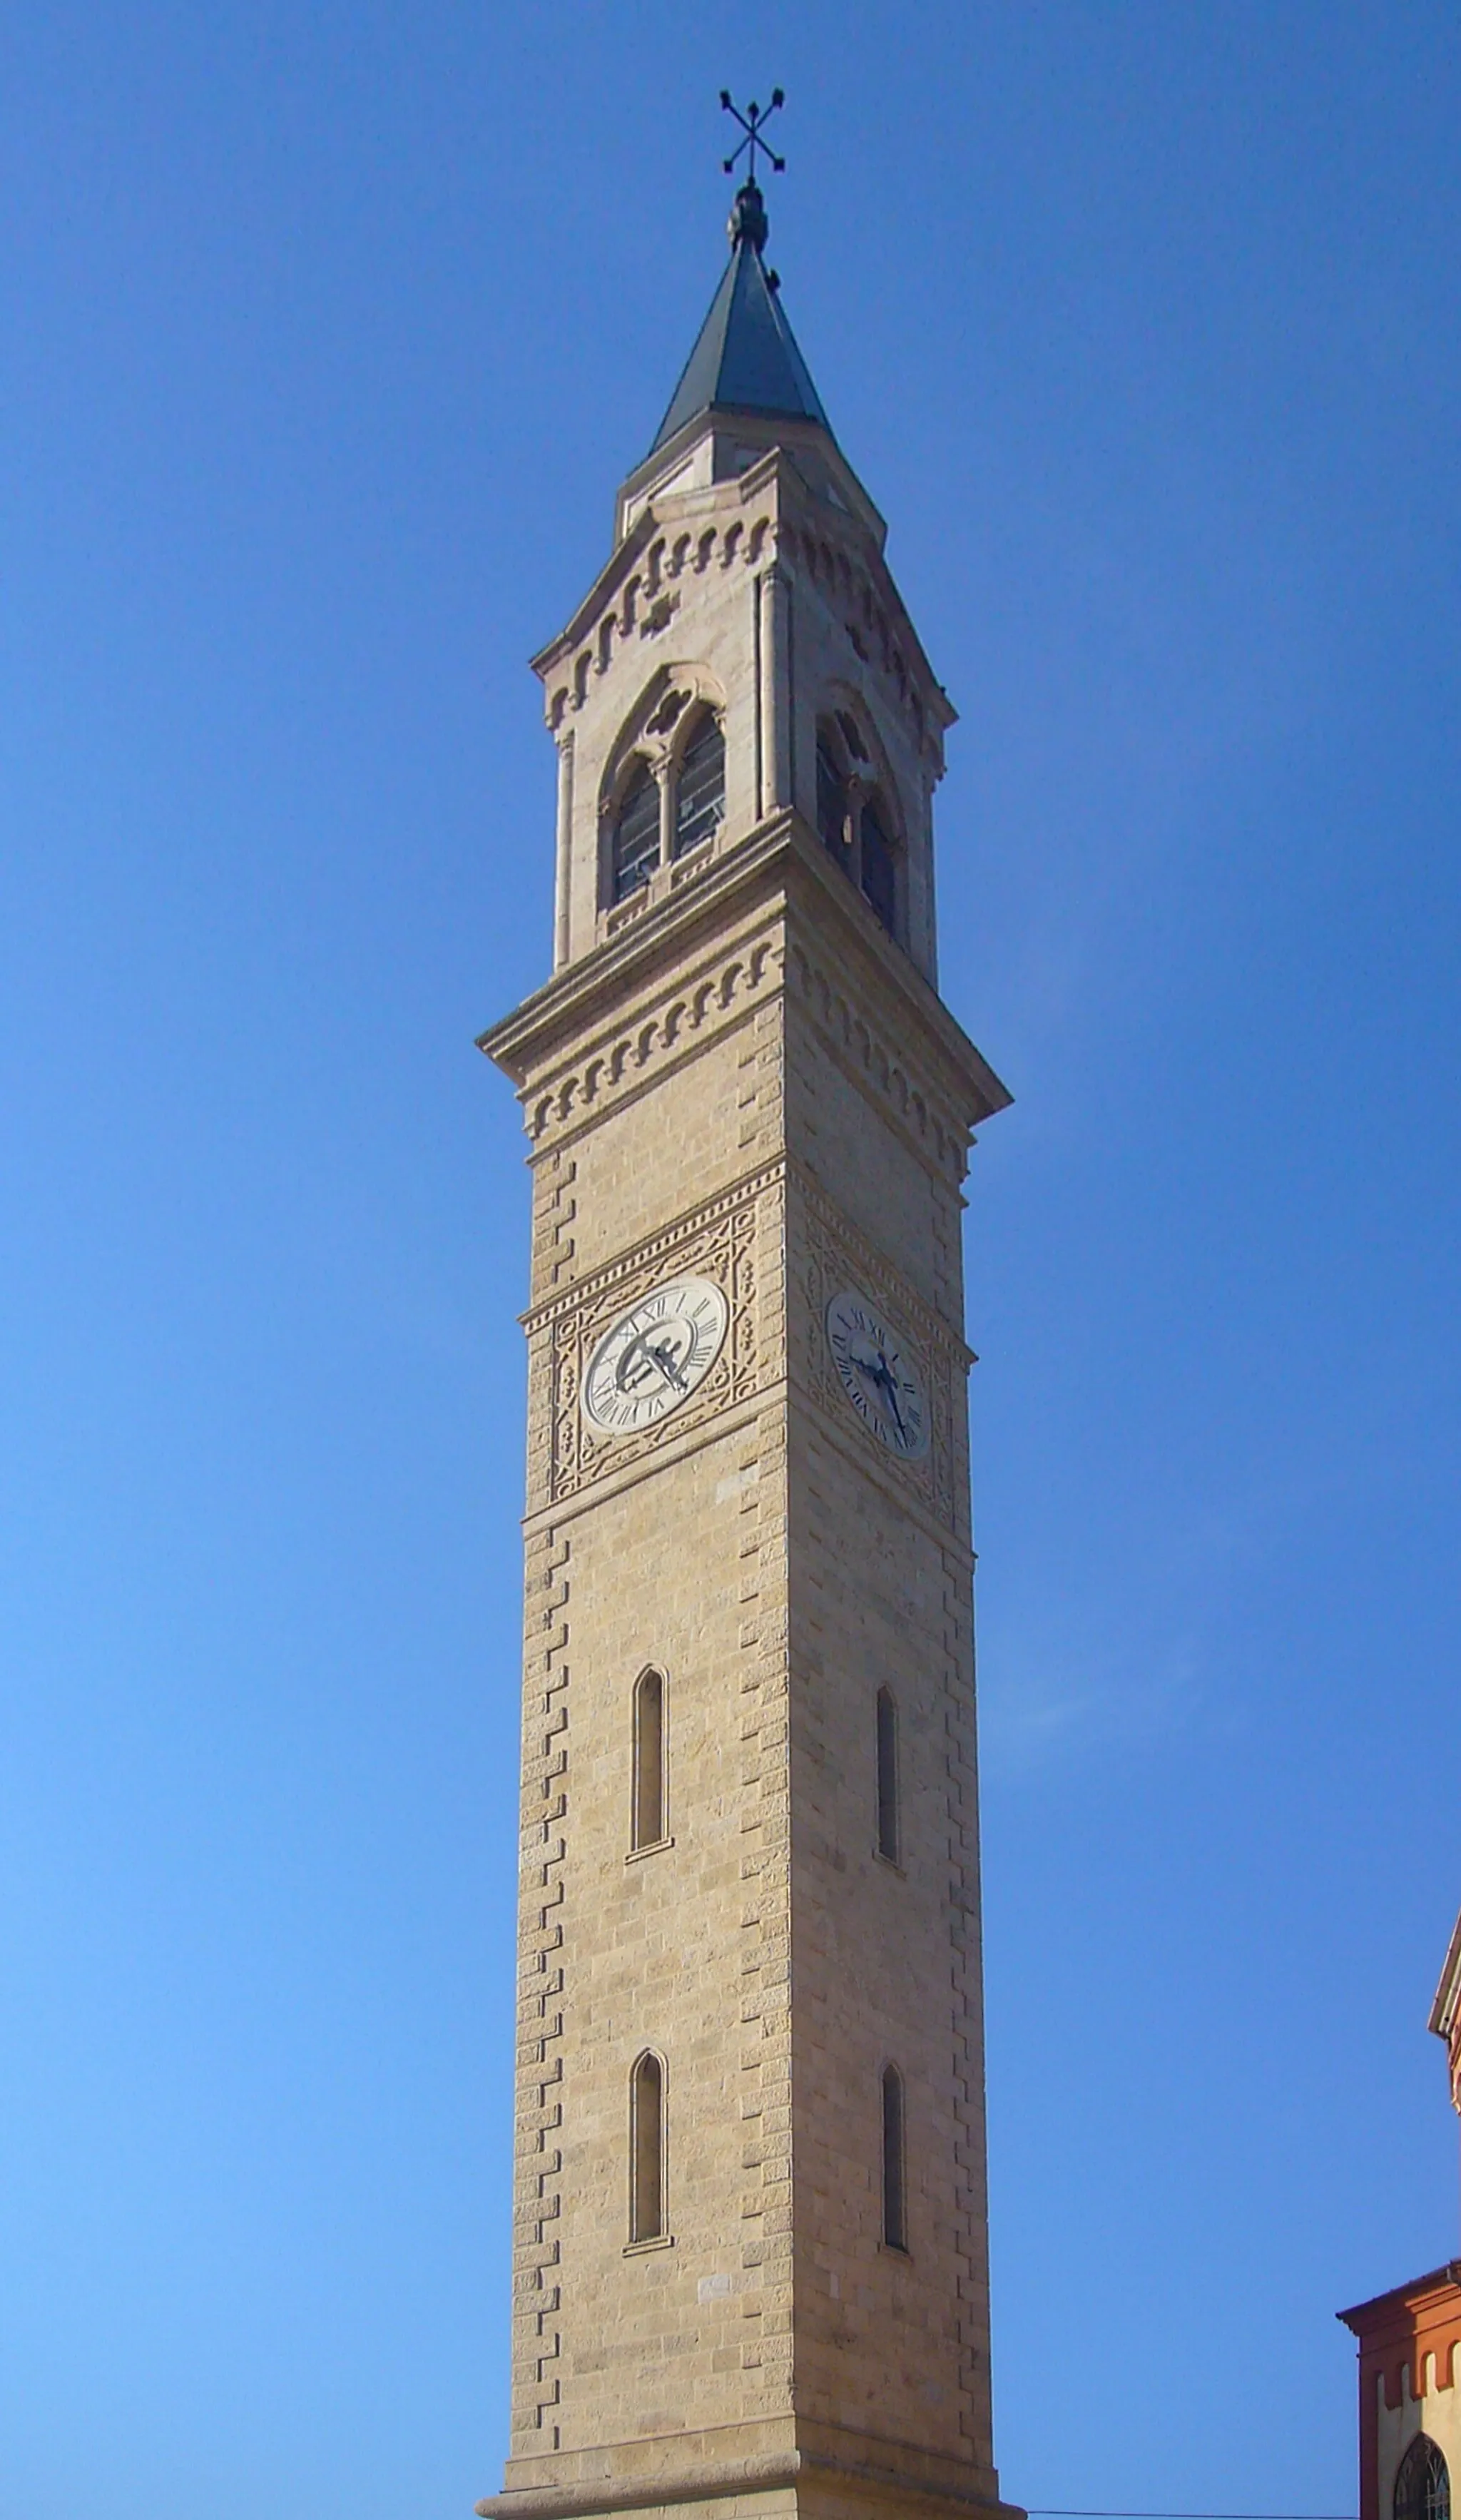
x=636 y=851
x=647 y=2149
x=886 y=1776
x=895 y=2220
x=648 y=1759
x=879 y=868
x=700 y=790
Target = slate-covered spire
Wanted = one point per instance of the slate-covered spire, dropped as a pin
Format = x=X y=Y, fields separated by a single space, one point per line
x=746 y=358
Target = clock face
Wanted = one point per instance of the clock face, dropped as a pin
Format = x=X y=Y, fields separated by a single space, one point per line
x=879 y=1378
x=654 y=1356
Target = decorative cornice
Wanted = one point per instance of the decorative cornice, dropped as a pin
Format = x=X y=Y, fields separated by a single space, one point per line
x=740 y=524
x=1392 y=2315
x=862 y=1048
x=569 y=1068
x=638 y=592
x=614 y=1067
x=557 y=1020
x=865 y=601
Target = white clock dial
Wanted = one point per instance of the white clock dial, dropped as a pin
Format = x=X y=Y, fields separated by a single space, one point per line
x=654 y=1356
x=878 y=1375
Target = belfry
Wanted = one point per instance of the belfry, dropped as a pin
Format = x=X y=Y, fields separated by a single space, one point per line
x=750 y=2236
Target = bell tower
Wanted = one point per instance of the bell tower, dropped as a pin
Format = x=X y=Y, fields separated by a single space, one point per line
x=750 y=2233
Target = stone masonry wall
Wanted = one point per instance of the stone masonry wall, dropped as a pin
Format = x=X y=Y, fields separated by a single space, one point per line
x=885 y=1958
x=777 y=1568
x=674 y=1553
x=682 y=1949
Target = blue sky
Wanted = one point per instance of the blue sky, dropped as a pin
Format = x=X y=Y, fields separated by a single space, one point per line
x=328 y=334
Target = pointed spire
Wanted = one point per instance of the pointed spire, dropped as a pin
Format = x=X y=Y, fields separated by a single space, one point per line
x=746 y=358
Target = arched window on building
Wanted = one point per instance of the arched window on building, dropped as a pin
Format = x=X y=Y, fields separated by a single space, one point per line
x=636 y=843
x=886 y=1776
x=1423 y=2483
x=648 y=1820
x=646 y=2149
x=832 y=801
x=700 y=786
x=854 y=822
x=895 y=2218
x=879 y=865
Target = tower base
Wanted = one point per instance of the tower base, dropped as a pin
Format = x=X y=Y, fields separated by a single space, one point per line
x=779 y=2469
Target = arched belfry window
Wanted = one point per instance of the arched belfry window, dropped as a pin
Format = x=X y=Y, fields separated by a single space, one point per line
x=636 y=837
x=853 y=820
x=831 y=800
x=648 y=1817
x=1423 y=2483
x=879 y=866
x=895 y=2218
x=669 y=798
x=646 y=2149
x=700 y=786
x=888 y=1833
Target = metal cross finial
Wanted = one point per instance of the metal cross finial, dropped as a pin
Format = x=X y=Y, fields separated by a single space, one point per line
x=751 y=123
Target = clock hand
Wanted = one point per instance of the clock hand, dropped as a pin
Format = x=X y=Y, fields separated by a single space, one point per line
x=883 y=1375
x=664 y=1358
x=878 y=1371
x=874 y=1369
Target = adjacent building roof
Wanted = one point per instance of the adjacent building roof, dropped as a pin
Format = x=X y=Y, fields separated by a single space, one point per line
x=746 y=358
x=1369 y=2317
x=1448 y=2004
x=1446 y=2011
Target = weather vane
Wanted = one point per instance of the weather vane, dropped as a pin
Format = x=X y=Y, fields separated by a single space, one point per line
x=751 y=123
